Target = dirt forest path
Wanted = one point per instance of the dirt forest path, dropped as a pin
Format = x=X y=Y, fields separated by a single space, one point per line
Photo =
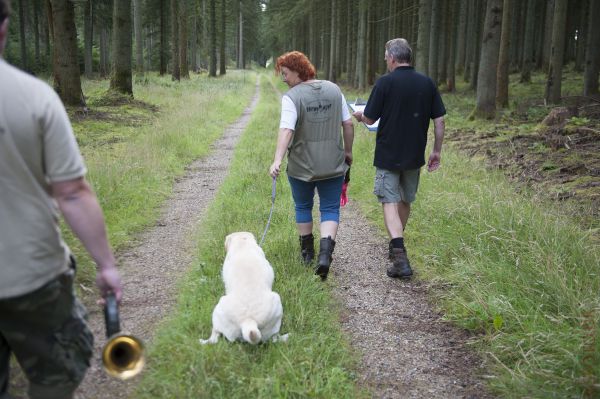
x=151 y=269
x=406 y=350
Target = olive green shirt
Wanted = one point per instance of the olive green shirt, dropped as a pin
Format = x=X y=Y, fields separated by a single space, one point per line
x=316 y=151
x=37 y=147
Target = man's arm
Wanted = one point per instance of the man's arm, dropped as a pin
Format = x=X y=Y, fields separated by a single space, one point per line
x=283 y=140
x=438 y=130
x=80 y=209
x=348 y=133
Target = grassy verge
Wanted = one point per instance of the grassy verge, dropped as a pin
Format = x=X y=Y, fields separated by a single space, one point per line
x=513 y=267
x=134 y=151
x=315 y=362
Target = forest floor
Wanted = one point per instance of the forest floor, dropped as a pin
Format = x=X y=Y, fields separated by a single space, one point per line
x=559 y=159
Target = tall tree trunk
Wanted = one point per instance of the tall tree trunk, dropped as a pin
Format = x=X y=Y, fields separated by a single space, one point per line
x=548 y=18
x=361 y=59
x=184 y=71
x=422 y=61
x=149 y=34
x=122 y=48
x=478 y=22
x=454 y=9
x=88 y=32
x=139 y=44
x=528 y=57
x=502 y=80
x=104 y=61
x=486 y=80
x=163 y=37
x=434 y=37
x=553 y=84
x=212 y=71
x=240 y=62
x=194 y=41
x=470 y=40
x=36 y=33
x=592 y=53
x=67 y=81
x=222 y=69
x=443 y=42
x=582 y=36
x=350 y=43
x=461 y=38
x=22 y=38
x=331 y=71
x=175 y=71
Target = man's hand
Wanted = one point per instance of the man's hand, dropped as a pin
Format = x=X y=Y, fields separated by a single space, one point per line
x=434 y=161
x=275 y=169
x=108 y=280
x=348 y=156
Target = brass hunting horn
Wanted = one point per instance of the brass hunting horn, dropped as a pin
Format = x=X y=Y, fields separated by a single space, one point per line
x=123 y=355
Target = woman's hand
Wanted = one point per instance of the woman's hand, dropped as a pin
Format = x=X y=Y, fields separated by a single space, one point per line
x=275 y=169
x=348 y=156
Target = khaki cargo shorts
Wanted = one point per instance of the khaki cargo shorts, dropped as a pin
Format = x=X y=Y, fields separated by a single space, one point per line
x=395 y=186
x=47 y=332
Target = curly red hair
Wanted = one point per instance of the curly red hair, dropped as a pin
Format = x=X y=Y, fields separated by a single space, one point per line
x=297 y=62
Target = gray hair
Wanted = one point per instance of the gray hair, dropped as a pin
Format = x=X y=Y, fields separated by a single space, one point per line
x=399 y=50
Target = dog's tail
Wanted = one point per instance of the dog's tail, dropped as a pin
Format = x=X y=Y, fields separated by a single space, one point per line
x=250 y=331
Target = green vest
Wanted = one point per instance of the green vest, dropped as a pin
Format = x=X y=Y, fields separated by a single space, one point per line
x=316 y=151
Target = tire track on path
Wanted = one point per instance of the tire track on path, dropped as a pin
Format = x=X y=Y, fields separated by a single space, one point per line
x=152 y=268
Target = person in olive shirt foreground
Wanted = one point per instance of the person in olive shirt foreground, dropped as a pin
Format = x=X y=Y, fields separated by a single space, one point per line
x=41 y=174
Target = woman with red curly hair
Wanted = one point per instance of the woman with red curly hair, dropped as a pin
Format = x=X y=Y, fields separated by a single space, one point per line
x=313 y=117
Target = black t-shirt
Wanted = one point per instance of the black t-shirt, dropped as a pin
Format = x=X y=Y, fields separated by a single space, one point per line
x=404 y=101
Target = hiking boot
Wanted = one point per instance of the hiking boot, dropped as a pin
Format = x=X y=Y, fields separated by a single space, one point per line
x=326 y=249
x=401 y=267
x=307 y=248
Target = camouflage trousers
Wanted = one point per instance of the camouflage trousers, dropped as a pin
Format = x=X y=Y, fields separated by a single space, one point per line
x=47 y=332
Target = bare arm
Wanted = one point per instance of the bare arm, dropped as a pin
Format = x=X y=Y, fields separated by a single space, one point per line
x=283 y=140
x=348 y=133
x=439 y=126
x=83 y=214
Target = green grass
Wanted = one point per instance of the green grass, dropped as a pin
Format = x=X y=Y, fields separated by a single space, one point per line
x=316 y=361
x=135 y=151
x=512 y=267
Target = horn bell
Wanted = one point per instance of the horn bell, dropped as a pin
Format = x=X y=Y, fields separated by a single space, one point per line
x=123 y=356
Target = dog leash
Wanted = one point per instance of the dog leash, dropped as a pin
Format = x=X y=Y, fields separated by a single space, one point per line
x=273 y=186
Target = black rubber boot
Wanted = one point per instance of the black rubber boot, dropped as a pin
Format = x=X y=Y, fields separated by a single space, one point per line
x=325 y=251
x=401 y=266
x=307 y=248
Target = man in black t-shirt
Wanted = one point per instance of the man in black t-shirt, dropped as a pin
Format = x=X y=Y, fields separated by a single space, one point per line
x=404 y=101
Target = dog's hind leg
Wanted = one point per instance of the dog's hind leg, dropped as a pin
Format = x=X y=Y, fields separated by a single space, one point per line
x=214 y=338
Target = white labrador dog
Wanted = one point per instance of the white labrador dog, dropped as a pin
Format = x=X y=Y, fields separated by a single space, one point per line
x=249 y=310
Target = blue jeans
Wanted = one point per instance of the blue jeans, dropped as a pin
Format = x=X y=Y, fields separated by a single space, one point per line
x=329 y=191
